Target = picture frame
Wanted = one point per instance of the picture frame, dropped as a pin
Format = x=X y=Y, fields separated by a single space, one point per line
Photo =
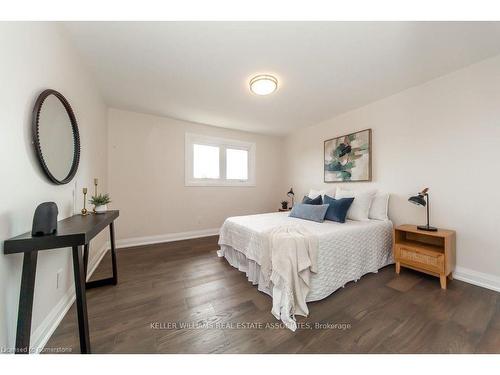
x=348 y=158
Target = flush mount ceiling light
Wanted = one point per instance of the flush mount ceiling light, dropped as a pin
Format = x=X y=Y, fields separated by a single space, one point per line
x=263 y=84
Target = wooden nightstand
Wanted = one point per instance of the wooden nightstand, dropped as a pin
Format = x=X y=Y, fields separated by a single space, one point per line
x=429 y=252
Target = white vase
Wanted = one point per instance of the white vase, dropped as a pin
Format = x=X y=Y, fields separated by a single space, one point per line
x=101 y=209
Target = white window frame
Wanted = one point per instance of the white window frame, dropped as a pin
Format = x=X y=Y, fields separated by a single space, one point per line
x=223 y=144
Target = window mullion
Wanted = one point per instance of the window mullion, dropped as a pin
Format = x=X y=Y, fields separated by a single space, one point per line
x=190 y=171
x=222 y=162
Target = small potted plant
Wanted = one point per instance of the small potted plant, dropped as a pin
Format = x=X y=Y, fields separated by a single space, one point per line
x=100 y=203
x=284 y=205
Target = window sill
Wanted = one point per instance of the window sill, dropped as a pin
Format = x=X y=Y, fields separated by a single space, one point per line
x=219 y=184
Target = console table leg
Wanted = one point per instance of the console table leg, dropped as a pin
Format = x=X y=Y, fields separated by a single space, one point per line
x=86 y=258
x=113 y=280
x=26 y=303
x=81 y=300
x=113 y=252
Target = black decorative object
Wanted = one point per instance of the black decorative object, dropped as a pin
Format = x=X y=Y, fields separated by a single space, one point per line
x=45 y=219
x=422 y=199
x=65 y=173
x=284 y=205
x=291 y=195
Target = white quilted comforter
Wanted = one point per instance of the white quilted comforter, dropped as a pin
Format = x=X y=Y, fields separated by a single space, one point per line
x=345 y=252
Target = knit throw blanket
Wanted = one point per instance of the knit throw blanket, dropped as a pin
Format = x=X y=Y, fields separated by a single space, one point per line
x=288 y=263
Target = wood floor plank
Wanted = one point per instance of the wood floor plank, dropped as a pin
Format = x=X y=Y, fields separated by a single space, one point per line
x=179 y=297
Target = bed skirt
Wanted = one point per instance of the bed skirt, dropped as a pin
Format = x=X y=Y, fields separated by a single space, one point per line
x=252 y=270
x=242 y=263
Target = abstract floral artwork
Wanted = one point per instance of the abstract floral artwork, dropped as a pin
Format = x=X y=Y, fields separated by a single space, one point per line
x=348 y=158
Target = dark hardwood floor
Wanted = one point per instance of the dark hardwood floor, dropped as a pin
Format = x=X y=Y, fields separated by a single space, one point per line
x=185 y=282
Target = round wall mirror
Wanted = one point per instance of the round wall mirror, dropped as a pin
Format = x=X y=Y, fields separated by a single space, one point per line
x=55 y=137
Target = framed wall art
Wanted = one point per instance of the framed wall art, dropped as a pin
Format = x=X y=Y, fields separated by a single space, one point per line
x=348 y=158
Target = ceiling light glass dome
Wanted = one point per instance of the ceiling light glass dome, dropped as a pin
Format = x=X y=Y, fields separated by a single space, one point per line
x=263 y=84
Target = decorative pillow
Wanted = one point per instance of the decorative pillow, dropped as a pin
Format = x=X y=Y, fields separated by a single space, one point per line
x=360 y=207
x=316 y=201
x=311 y=212
x=314 y=193
x=337 y=209
x=379 y=207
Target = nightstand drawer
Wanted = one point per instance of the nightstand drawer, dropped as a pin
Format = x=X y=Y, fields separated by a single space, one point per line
x=419 y=257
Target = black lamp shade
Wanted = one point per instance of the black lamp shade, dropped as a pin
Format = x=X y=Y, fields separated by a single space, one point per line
x=418 y=200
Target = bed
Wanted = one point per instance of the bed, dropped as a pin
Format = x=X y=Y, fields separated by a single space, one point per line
x=346 y=251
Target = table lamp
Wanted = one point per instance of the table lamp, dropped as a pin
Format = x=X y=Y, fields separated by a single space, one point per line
x=291 y=195
x=422 y=199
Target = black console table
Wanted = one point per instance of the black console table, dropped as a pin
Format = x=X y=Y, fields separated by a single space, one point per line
x=75 y=232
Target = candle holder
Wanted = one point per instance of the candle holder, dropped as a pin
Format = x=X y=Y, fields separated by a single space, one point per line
x=84 y=210
x=95 y=190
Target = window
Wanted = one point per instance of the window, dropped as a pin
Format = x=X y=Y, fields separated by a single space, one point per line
x=219 y=162
x=236 y=164
x=205 y=161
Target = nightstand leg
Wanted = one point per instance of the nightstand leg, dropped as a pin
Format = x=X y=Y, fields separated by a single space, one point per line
x=442 y=279
x=450 y=276
x=398 y=267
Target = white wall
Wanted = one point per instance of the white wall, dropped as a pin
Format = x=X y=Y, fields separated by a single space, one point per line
x=36 y=56
x=146 y=178
x=444 y=135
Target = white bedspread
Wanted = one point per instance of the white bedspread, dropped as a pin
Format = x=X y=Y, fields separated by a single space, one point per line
x=345 y=251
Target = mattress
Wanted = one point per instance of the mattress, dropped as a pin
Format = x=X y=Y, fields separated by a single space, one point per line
x=346 y=251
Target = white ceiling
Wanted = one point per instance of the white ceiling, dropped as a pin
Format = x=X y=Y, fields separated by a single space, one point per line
x=199 y=71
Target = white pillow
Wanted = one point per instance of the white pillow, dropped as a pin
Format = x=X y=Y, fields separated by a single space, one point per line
x=360 y=206
x=379 y=207
x=314 y=193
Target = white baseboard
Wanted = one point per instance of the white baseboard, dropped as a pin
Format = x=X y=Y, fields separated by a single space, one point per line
x=42 y=333
x=481 y=279
x=169 y=237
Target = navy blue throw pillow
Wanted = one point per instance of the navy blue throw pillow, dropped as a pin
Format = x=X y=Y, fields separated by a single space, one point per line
x=316 y=201
x=337 y=208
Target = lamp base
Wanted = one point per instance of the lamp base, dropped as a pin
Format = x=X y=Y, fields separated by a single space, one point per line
x=427 y=228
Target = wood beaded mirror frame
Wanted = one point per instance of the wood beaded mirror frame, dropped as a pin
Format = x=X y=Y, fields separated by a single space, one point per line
x=55 y=137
